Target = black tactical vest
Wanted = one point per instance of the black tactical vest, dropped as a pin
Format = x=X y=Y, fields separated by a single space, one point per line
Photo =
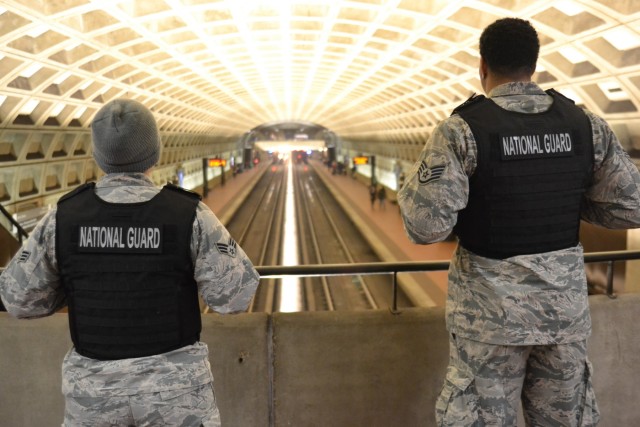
x=127 y=273
x=528 y=186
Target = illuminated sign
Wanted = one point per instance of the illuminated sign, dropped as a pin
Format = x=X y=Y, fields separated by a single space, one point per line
x=361 y=160
x=217 y=162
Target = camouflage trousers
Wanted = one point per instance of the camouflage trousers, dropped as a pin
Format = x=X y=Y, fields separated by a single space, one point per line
x=485 y=385
x=189 y=407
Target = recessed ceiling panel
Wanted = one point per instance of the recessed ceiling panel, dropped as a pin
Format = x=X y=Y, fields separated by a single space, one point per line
x=223 y=67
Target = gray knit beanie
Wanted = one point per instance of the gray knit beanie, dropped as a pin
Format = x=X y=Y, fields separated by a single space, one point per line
x=125 y=137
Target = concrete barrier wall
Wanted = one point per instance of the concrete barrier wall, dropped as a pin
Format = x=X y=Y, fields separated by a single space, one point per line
x=31 y=353
x=614 y=350
x=367 y=368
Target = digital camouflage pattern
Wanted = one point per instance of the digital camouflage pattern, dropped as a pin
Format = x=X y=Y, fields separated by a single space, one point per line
x=527 y=299
x=30 y=288
x=518 y=326
x=190 y=407
x=471 y=396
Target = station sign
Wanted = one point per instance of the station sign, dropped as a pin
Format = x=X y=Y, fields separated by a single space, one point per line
x=216 y=162
x=361 y=160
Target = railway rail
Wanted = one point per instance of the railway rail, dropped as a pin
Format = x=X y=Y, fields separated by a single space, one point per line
x=257 y=227
x=325 y=235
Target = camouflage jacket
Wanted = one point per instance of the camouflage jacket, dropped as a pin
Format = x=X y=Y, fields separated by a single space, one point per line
x=527 y=299
x=30 y=287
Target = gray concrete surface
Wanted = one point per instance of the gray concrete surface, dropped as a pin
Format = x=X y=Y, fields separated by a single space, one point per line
x=366 y=368
x=352 y=369
x=614 y=350
x=32 y=351
x=240 y=362
x=31 y=355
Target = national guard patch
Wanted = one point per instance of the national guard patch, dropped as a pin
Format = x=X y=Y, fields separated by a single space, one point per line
x=428 y=174
x=537 y=144
x=230 y=248
x=125 y=238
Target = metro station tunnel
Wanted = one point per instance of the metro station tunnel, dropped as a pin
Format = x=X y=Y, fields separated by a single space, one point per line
x=283 y=116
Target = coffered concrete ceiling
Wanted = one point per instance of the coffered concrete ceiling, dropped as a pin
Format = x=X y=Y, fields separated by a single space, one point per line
x=370 y=71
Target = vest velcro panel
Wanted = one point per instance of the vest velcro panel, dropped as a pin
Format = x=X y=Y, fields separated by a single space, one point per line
x=531 y=175
x=128 y=275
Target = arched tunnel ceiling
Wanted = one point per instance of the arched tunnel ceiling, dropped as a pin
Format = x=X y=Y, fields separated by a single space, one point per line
x=383 y=70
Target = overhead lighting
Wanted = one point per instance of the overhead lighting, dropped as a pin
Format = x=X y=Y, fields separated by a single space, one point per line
x=28 y=108
x=622 y=38
x=30 y=70
x=61 y=78
x=38 y=30
x=72 y=46
x=569 y=8
x=79 y=113
x=572 y=54
x=613 y=90
x=57 y=110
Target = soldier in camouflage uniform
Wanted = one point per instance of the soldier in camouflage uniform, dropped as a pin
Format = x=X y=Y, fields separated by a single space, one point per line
x=518 y=314
x=171 y=388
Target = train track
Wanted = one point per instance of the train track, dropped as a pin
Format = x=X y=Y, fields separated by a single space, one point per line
x=325 y=240
x=340 y=241
x=257 y=227
x=325 y=235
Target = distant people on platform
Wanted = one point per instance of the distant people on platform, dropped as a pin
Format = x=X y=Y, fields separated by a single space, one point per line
x=338 y=168
x=373 y=193
x=382 y=197
x=130 y=260
x=512 y=174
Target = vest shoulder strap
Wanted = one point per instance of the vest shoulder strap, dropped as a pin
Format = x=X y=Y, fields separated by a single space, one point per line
x=473 y=99
x=77 y=190
x=556 y=94
x=180 y=190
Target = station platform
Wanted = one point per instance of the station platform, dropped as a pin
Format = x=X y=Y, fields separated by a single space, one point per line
x=225 y=199
x=382 y=226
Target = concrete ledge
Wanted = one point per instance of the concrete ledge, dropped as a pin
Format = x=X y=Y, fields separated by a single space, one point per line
x=30 y=370
x=366 y=368
x=32 y=353
x=240 y=362
x=352 y=368
x=614 y=351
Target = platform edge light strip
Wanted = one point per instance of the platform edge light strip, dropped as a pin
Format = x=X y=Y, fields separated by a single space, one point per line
x=290 y=290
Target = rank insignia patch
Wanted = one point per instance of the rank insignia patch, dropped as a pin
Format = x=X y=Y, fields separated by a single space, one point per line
x=24 y=256
x=427 y=174
x=230 y=248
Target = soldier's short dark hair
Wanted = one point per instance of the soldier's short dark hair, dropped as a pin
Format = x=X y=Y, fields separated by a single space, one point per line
x=510 y=46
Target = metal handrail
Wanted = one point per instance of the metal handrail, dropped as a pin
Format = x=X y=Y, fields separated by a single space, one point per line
x=393 y=268
x=21 y=231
